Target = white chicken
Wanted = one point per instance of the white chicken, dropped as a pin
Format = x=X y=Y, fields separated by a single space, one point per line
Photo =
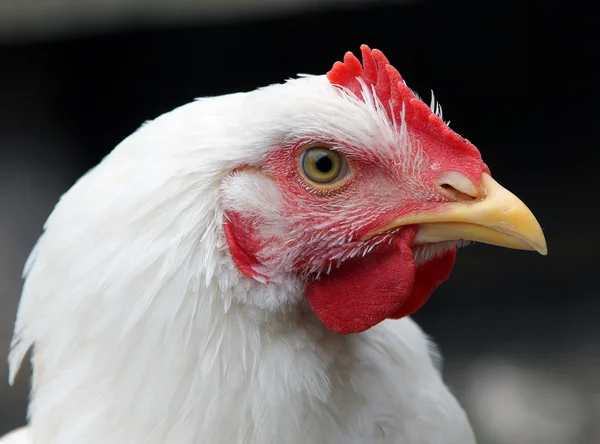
x=235 y=272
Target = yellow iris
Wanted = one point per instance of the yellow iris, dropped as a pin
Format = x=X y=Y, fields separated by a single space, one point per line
x=321 y=165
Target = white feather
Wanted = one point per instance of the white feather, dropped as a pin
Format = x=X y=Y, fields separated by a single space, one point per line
x=143 y=330
x=18 y=436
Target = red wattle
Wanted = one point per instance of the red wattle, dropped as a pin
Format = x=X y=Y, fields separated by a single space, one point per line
x=364 y=291
x=385 y=283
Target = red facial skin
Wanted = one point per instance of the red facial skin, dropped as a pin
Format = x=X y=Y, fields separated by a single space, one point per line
x=364 y=290
x=350 y=295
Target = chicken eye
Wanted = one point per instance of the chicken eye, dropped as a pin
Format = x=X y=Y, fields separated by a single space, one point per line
x=322 y=165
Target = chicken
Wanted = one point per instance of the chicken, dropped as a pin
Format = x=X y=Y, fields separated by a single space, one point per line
x=241 y=270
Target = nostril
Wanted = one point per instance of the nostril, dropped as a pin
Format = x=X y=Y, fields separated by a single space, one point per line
x=454 y=194
x=458 y=187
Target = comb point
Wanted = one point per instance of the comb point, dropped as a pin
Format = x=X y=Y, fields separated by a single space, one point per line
x=369 y=65
x=352 y=62
x=380 y=58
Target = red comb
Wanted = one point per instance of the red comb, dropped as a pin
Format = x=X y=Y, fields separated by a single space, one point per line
x=377 y=73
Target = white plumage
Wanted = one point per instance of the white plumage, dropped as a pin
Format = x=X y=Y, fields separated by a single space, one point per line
x=144 y=331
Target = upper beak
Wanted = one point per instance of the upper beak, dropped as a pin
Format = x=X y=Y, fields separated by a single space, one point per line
x=498 y=218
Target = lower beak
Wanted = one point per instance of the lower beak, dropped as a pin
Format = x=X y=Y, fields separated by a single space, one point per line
x=498 y=218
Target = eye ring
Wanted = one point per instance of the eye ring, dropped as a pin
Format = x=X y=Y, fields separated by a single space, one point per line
x=323 y=168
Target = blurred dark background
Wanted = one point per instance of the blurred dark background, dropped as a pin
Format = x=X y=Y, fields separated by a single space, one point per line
x=519 y=331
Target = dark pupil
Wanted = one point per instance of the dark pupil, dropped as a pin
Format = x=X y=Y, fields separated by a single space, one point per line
x=324 y=163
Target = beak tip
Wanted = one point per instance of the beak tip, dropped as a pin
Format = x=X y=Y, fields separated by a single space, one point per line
x=538 y=243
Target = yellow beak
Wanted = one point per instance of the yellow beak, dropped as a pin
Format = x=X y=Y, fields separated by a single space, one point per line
x=498 y=218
